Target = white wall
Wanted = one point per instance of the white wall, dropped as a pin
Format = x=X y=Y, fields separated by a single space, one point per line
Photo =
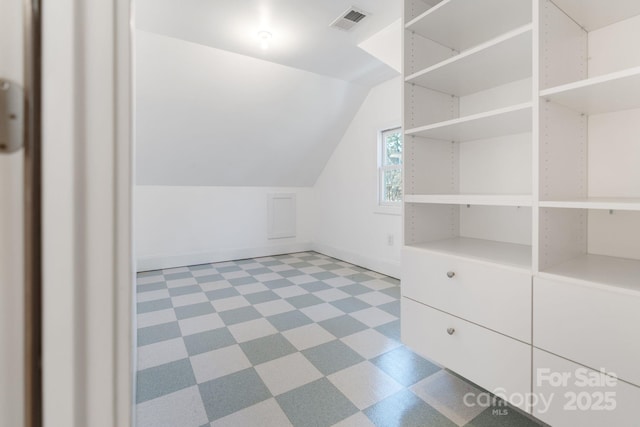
x=349 y=224
x=177 y=226
x=216 y=136
x=209 y=117
x=11 y=236
x=339 y=216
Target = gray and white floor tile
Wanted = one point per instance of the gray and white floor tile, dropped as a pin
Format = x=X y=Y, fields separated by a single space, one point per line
x=291 y=340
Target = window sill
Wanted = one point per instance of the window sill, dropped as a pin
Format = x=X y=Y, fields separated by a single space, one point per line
x=388 y=210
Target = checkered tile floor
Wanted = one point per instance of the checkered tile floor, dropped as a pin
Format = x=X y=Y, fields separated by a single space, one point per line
x=300 y=339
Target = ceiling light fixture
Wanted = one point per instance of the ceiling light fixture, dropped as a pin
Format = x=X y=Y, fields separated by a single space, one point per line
x=264 y=37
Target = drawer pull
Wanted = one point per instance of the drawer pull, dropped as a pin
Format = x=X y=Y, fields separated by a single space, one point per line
x=450 y=274
x=450 y=331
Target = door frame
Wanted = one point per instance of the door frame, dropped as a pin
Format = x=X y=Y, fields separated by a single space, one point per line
x=32 y=54
x=88 y=266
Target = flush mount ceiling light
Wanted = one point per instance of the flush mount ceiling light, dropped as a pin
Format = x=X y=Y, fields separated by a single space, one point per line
x=264 y=37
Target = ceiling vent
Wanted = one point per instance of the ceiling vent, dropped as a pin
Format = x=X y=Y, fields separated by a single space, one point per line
x=347 y=20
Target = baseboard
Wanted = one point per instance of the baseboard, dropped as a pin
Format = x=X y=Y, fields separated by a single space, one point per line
x=385 y=267
x=157 y=262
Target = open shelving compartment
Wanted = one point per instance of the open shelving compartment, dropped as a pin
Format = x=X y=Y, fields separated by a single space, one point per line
x=498 y=61
x=468 y=118
x=462 y=24
x=468 y=140
x=589 y=160
x=470 y=199
x=589 y=148
x=576 y=38
x=492 y=171
x=495 y=234
x=468 y=129
x=597 y=247
x=590 y=106
x=503 y=121
x=463 y=73
x=438 y=30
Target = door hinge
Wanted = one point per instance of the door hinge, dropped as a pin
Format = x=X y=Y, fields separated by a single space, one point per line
x=11 y=117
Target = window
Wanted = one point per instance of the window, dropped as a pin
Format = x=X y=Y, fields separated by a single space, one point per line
x=390 y=169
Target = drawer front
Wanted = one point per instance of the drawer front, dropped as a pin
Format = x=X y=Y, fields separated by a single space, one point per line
x=594 y=327
x=605 y=402
x=494 y=297
x=491 y=360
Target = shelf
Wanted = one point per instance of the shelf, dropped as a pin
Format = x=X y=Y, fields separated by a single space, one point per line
x=603 y=94
x=613 y=203
x=601 y=271
x=497 y=62
x=507 y=254
x=594 y=14
x=461 y=24
x=471 y=199
x=505 y=121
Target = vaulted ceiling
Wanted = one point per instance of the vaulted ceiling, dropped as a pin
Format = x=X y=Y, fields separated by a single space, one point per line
x=215 y=108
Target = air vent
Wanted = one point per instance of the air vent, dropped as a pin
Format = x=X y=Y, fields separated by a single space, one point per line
x=347 y=20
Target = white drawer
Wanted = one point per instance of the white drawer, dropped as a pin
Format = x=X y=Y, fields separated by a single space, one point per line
x=491 y=360
x=591 y=326
x=494 y=297
x=575 y=404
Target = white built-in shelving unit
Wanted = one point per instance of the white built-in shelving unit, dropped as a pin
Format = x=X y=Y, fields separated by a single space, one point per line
x=522 y=193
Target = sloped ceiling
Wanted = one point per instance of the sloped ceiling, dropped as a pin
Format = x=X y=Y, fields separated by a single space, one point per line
x=385 y=44
x=211 y=117
x=215 y=109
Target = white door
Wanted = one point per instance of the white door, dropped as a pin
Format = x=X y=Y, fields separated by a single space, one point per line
x=11 y=233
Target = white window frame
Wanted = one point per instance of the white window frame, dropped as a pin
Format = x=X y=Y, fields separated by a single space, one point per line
x=394 y=206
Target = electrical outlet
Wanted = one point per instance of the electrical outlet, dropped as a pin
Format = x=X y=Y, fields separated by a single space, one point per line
x=390 y=239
